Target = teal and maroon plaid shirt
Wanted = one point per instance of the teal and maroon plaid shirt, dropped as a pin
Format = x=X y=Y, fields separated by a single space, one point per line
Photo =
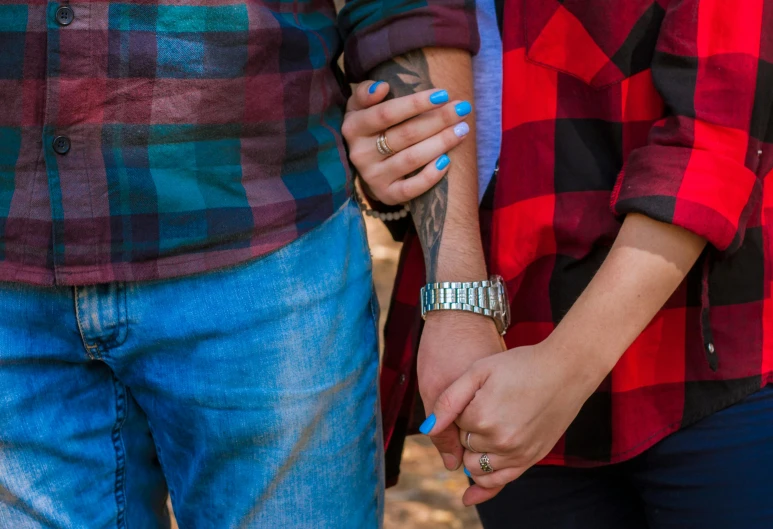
x=149 y=139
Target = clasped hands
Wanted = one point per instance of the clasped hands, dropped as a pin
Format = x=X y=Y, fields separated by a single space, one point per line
x=514 y=404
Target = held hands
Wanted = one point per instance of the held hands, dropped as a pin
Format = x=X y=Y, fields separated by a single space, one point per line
x=450 y=343
x=516 y=405
x=419 y=128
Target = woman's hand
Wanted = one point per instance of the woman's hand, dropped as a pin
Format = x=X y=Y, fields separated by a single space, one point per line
x=420 y=128
x=516 y=405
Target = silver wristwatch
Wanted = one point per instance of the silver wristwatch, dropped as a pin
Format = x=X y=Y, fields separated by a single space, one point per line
x=487 y=298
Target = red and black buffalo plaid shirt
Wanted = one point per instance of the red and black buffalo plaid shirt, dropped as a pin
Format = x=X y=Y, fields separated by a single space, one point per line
x=655 y=107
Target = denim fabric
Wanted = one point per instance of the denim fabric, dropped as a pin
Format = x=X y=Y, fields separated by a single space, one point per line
x=248 y=393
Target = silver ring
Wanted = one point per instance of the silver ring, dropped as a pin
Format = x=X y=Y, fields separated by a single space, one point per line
x=469 y=444
x=485 y=464
x=382 y=146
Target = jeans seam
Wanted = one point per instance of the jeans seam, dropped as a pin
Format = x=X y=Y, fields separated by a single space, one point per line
x=378 y=434
x=169 y=488
x=120 y=453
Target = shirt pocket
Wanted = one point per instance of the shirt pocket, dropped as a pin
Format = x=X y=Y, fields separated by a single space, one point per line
x=600 y=42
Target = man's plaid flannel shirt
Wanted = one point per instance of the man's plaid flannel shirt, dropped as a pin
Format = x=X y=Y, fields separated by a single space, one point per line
x=655 y=107
x=148 y=139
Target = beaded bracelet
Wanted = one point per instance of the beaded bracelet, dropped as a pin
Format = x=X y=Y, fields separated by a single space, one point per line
x=384 y=217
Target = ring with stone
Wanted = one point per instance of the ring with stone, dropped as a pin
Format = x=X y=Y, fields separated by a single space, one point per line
x=485 y=464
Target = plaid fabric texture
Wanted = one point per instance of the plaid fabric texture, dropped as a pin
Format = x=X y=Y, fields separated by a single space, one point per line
x=202 y=133
x=656 y=107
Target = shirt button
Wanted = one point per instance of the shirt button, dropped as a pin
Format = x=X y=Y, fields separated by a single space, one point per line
x=401 y=380
x=710 y=348
x=61 y=144
x=64 y=16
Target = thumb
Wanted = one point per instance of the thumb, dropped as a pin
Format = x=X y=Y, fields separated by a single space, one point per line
x=452 y=402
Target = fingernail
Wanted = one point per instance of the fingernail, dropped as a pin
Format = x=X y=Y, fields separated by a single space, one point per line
x=467 y=473
x=463 y=108
x=450 y=462
x=461 y=129
x=441 y=96
x=429 y=422
x=374 y=87
x=441 y=164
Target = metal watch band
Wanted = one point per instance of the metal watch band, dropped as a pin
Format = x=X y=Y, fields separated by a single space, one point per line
x=487 y=298
x=480 y=297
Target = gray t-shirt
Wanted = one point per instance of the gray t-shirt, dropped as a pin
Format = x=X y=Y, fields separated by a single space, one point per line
x=487 y=69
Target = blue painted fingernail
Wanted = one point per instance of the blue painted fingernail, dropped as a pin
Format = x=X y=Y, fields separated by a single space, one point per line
x=441 y=96
x=463 y=108
x=461 y=129
x=467 y=473
x=428 y=424
x=374 y=87
x=441 y=164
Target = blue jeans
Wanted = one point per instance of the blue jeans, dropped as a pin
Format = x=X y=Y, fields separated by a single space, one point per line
x=249 y=394
x=715 y=474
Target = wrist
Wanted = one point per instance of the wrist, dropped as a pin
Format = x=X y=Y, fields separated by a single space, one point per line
x=481 y=328
x=584 y=362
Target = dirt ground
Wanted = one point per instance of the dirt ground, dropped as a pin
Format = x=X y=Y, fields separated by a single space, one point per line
x=427 y=496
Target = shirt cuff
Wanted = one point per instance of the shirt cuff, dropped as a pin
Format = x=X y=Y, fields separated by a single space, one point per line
x=368 y=45
x=708 y=194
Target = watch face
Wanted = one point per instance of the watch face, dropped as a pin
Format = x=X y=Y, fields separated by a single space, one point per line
x=504 y=300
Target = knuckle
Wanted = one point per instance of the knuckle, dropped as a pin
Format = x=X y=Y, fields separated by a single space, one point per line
x=384 y=114
x=356 y=156
x=411 y=159
x=480 y=422
x=531 y=454
x=347 y=129
x=398 y=196
x=370 y=177
x=417 y=104
x=509 y=442
x=501 y=445
x=444 y=401
x=410 y=136
x=496 y=480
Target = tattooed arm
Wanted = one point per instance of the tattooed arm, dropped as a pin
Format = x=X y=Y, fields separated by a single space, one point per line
x=446 y=219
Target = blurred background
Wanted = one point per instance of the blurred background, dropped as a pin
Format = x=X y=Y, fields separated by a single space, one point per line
x=427 y=496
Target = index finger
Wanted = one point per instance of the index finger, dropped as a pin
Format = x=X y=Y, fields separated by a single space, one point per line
x=453 y=401
x=380 y=117
x=447 y=443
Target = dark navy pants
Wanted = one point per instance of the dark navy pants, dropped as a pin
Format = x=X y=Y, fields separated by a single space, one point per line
x=716 y=474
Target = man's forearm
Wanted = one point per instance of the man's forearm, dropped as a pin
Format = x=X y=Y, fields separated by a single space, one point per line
x=643 y=269
x=446 y=217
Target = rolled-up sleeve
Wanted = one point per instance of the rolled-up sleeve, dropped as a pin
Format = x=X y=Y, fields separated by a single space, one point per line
x=375 y=31
x=701 y=166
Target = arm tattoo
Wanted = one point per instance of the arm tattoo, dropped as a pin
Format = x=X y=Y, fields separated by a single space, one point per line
x=406 y=75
